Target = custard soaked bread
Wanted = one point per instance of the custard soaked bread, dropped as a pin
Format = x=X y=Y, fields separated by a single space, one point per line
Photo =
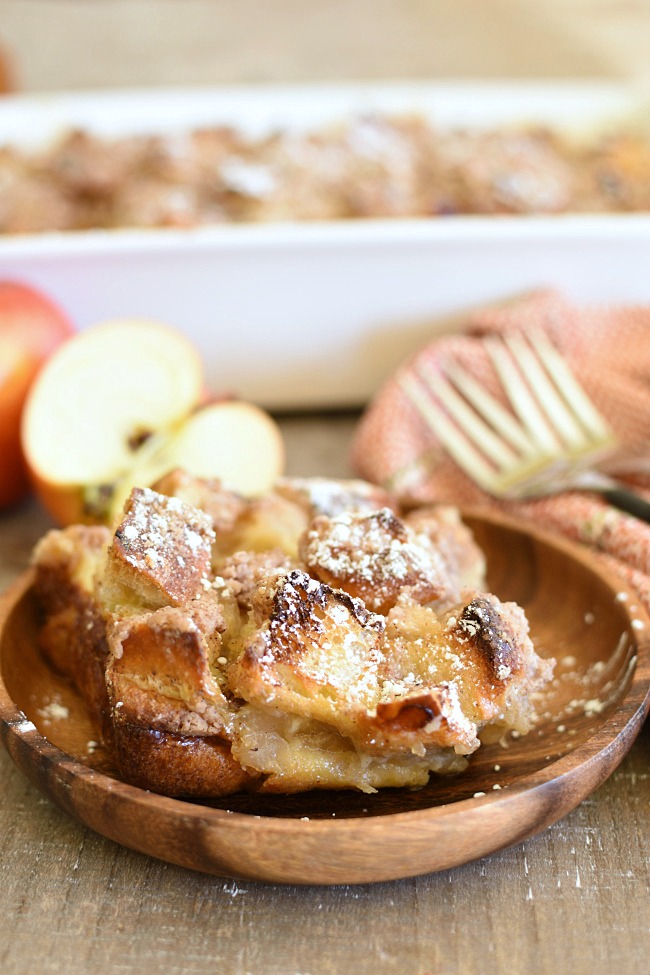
x=315 y=637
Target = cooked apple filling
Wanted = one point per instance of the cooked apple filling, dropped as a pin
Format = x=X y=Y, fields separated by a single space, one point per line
x=313 y=638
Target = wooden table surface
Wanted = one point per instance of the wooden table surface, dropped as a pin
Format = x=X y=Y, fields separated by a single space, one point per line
x=574 y=899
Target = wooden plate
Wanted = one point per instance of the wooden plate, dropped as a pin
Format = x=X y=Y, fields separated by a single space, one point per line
x=590 y=716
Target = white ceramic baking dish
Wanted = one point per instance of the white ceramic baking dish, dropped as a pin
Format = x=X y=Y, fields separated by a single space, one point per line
x=315 y=315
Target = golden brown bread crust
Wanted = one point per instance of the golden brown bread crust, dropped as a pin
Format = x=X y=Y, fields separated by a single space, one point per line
x=178 y=765
x=442 y=525
x=223 y=507
x=335 y=649
x=73 y=636
x=66 y=563
x=367 y=165
x=158 y=674
x=375 y=557
x=325 y=496
x=161 y=551
x=288 y=661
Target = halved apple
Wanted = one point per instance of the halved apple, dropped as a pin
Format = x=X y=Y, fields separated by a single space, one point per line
x=119 y=405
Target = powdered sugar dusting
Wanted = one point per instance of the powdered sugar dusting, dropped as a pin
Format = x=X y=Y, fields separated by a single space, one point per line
x=168 y=539
x=325 y=636
x=376 y=553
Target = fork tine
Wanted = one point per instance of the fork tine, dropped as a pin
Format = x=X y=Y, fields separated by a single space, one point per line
x=559 y=415
x=470 y=422
x=571 y=389
x=522 y=401
x=561 y=428
x=492 y=409
x=452 y=439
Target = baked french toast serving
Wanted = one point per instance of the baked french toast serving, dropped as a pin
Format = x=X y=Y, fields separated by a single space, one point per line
x=315 y=637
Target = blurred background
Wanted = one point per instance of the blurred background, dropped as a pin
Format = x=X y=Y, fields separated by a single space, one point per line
x=55 y=44
x=59 y=45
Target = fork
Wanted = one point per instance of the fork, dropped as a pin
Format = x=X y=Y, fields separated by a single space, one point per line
x=550 y=439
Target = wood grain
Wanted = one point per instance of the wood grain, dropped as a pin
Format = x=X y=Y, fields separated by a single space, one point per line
x=333 y=838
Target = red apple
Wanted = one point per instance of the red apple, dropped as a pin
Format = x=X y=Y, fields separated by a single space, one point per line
x=120 y=405
x=31 y=328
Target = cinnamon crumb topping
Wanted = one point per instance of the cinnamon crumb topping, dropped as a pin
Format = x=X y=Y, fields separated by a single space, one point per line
x=374 y=556
x=168 y=540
